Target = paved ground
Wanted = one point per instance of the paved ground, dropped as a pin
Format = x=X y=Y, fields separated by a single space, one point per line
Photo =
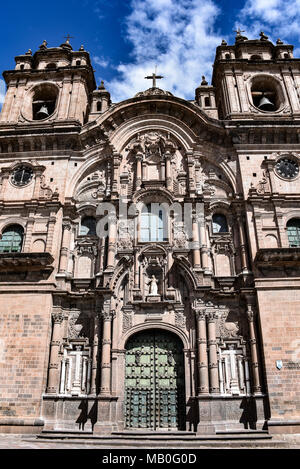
x=14 y=441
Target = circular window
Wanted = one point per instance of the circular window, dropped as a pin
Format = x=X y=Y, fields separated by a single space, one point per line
x=287 y=168
x=22 y=175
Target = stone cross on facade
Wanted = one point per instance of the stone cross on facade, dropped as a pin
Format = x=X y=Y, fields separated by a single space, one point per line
x=153 y=77
x=68 y=37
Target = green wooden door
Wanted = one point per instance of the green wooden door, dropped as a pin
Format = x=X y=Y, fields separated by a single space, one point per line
x=154 y=381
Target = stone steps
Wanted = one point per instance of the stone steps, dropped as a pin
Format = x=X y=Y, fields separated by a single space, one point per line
x=142 y=439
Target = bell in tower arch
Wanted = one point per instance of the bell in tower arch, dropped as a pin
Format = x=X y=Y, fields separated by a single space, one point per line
x=265 y=104
x=43 y=112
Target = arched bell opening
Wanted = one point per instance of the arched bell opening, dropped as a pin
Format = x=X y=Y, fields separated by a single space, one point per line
x=154 y=381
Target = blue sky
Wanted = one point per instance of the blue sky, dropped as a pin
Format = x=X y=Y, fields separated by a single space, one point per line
x=127 y=39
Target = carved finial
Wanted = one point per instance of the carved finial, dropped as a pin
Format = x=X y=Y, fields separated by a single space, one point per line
x=43 y=45
x=223 y=43
x=263 y=36
x=238 y=36
x=101 y=86
x=29 y=52
x=279 y=41
x=66 y=44
x=81 y=48
x=203 y=82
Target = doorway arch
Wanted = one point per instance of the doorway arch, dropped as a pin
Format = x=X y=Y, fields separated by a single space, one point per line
x=154 y=381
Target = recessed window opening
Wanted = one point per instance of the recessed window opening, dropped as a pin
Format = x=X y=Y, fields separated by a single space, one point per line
x=265 y=94
x=44 y=102
x=293 y=231
x=12 y=239
x=219 y=223
x=153 y=223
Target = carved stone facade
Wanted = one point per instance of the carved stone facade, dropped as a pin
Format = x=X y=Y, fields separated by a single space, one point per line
x=154 y=227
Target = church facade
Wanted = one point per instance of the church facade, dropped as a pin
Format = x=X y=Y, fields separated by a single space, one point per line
x=150 y=249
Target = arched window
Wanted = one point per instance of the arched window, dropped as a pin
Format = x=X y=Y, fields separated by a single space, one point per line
x=207 y=102
x=293 y=230
x=12 y=239
x=88 y=226
x=153 y=223
x=219 y=223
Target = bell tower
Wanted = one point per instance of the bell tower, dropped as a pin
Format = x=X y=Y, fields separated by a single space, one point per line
x=255 y=79
x=53 y=85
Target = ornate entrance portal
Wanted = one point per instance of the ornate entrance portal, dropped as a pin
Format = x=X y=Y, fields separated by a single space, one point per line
x=154 y=381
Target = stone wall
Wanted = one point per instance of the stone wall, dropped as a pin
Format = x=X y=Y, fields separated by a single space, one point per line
x=24 y=348
x=280 y=323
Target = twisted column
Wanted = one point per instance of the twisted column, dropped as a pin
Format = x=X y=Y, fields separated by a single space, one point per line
x=202 y=362
x=53 y=369
x=253 y=349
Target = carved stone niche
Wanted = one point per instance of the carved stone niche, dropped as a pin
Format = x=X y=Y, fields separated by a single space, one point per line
x=79 y=326
x=153 y=261
x=230 y=325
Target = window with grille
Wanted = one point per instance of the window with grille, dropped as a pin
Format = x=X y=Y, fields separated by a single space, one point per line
x=219 y=223
x=293 y=230
x=88 y=226
x=153 y=223
x=12 y=239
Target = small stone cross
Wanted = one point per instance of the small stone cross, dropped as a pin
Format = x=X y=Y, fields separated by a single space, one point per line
x=153 y=77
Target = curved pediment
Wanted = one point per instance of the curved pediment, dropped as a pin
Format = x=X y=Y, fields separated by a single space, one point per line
x=186 y=120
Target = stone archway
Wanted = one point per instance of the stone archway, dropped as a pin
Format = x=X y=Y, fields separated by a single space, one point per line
x=154 y=381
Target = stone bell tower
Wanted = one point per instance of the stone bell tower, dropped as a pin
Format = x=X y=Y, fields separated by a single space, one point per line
x=53 y=85
x=255 y=79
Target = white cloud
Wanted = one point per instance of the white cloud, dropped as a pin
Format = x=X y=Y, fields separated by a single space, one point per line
x=2 y=92
x=176 y=35
x=279 y=18
x=101 y=61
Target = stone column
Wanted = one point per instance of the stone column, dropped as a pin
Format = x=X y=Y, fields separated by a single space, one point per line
x=53 y=369
x=196 y=246
x=112 y=238
x=168 y=171
x=95 y=355
x=74 y=97
x=212 y=351
x=106 y=351
x=65 y=245
x=253 y=348
x=51 y=225
x=3 y=187
x=139 y=158
x=242 y=243
x=136 y=268
x=37 y=184
x=202 y=362
x=63 y=105
x=28 y=232
x=203 y=240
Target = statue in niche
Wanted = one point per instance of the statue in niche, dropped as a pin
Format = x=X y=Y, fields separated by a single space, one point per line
x=153 y=286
